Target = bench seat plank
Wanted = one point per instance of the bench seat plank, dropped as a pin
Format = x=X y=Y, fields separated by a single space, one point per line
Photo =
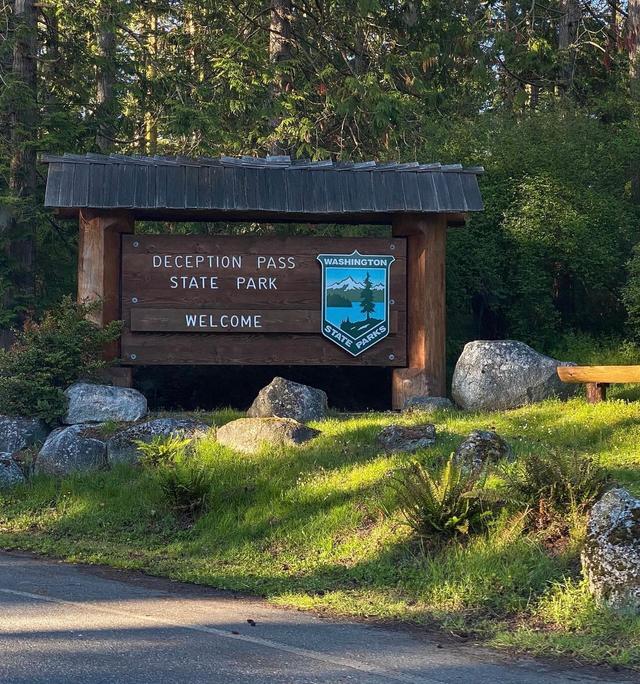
x=599 y=374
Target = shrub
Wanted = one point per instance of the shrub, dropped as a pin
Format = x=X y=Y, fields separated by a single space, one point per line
x=554 y=482
x=162 y=450
x=49 y=355
x=631 y=293
x=454 y=502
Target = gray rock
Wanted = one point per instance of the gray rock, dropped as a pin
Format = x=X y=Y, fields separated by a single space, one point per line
x=404 y=438
x=121 y=448
x=286 y=399
x=21 y=433
x=428 y=404
x=10 y=473
x=250 y=434
x=69 y=449
x=611 y=554
x=481 y=448
x=99 y=403
x=505 y=374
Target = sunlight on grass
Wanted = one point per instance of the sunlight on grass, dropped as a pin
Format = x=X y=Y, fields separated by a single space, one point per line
x=566 y=616
x=317 y=527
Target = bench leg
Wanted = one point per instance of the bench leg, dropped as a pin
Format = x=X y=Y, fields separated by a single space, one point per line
x=596 y=392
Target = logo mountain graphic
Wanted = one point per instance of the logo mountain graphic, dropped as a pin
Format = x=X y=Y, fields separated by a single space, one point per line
x=349 y=284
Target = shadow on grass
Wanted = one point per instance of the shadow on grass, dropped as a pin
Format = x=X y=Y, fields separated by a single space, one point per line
x=304 y=526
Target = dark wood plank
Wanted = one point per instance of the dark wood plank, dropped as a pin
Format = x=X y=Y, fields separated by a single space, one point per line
x=266 y=321
x=184 y=276
x=191 y=244
x=253 y=349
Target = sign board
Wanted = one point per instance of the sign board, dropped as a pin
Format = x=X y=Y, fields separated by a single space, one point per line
x=263 y=300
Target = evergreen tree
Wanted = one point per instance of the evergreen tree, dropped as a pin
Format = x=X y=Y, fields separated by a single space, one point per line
x=366 y=298
x=545 y=95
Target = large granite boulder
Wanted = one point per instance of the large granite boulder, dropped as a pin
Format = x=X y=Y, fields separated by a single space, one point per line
x=480 y=448
x=69 y=449
x=90 y=403
x=286 y=399
x=21 y=433
x=10 y=472
x=611 y=554
x=505 y=374
x=428 y=404
x=407 y=438
x=250 y=434
x=122 y=448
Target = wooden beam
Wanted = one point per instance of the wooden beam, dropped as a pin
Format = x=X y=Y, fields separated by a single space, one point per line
x=599 y=374
x=426 y=307
x=99 y=264
x=457 y=220
x=454 y=219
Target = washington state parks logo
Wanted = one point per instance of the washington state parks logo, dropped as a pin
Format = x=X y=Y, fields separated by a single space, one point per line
x=355 y=299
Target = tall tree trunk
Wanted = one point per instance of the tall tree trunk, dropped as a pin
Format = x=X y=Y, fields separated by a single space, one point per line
x=567 y=35
x=633 y=47
x=20 y=245
x=150 y=123
x=51 y=71
x=105 y=77
x=613 y=35
x=280 y=36
x=24 y=117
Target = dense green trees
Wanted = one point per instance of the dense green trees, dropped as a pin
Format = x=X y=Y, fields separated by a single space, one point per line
x=544 y=95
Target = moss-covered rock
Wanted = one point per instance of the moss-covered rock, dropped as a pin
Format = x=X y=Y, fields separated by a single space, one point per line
x=250 y=434
x=611 y=554
x=287 y=399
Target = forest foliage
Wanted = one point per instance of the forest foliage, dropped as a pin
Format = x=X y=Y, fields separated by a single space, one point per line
x=544 y=95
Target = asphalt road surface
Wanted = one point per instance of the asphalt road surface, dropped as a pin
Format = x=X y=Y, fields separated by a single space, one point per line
x=67 y=623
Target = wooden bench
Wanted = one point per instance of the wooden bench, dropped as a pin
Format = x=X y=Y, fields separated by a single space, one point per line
x=598 y=378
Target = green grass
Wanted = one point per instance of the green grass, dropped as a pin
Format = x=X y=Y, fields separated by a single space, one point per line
x=317 y=528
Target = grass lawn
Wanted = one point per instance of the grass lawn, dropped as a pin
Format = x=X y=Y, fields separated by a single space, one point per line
x=317 y=528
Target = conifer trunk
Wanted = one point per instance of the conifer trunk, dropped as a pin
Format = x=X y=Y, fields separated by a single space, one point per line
x=105 y=78
x=23 y=121
x=633 y=43
x=280 y=36
x=567 y=35
x=633 y=50
x=22 y=180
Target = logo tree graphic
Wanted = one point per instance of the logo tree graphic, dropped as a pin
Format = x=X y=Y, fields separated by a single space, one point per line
x=366 y=298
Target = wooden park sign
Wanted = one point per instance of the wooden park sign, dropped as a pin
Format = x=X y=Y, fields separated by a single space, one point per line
x=237 y=300
x=253 y=300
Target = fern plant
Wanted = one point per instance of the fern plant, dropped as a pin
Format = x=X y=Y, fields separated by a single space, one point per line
x=186 y=489
x=162 y=450
x=555 y=480
x=451 y=503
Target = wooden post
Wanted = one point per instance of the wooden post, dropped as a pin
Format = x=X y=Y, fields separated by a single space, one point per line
x=596 y=392
x=426 y=307
x=99 y=268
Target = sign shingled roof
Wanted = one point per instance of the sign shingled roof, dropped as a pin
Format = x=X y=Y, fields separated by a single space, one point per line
x=275 y=185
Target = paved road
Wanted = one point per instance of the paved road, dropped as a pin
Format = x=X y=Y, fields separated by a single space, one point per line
x=72 y=624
